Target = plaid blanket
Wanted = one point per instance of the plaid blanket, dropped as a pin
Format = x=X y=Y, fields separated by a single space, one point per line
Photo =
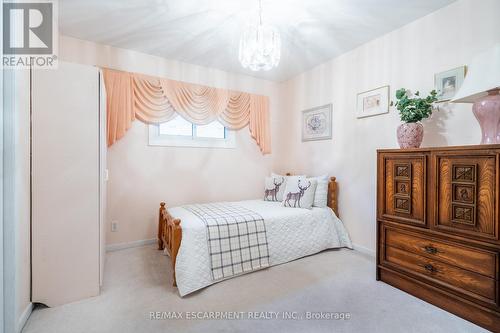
x=237 y=240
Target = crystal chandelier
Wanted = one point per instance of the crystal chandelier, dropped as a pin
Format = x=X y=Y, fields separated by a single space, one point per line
x=260 y=46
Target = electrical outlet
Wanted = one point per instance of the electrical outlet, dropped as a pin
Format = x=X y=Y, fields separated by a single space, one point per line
x=114 y=226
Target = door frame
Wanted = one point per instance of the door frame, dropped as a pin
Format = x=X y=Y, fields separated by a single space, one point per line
x=2 y=296
x=8 y=169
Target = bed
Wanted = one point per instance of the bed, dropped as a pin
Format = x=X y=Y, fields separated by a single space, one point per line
x=289 y=234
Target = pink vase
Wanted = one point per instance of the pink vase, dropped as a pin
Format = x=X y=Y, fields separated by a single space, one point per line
x=410 y=135
x=487 y=112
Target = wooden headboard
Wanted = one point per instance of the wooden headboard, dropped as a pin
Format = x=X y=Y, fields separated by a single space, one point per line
x=332 y=200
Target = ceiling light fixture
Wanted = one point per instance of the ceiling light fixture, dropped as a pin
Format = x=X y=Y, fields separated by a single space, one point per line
x=260 y=46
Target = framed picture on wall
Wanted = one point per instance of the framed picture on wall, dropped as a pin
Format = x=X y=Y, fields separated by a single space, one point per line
x=373 y=102
x=317 y=123
x=447 y=83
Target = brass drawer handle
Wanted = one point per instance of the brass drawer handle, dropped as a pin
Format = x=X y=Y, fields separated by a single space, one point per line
x=430 y=268
x=430 y=249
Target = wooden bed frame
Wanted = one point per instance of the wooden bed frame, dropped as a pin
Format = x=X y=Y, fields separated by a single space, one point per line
x=170 y=230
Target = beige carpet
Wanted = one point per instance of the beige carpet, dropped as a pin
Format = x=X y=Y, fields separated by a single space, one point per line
x=138 y=281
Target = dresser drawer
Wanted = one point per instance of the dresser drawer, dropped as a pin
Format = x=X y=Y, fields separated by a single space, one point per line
x=476 y=260
x=451 y=276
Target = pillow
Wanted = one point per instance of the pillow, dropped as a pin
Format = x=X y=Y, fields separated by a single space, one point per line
x=321 y=193
x=274 y=187
x=299 y=192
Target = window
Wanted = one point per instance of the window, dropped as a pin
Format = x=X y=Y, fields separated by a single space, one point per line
x=178 y=126
x=179 y=132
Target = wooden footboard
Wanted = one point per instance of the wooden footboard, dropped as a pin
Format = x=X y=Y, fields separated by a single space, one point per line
x=169 y=234
x=170 y=230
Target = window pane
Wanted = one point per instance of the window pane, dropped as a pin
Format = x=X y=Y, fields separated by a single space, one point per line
x=212 y=130
x=176 y=126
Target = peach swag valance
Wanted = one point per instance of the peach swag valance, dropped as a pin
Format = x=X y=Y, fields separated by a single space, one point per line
x=155 y=100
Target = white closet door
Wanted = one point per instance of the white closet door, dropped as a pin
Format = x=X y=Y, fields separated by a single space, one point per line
x=65 y=184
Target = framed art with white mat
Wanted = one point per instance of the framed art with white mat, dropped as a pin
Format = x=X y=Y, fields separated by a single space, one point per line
x=447 y=83
x=373 y=102
x=317 y=123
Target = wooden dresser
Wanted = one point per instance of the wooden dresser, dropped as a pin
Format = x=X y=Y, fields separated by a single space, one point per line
x=438 y=227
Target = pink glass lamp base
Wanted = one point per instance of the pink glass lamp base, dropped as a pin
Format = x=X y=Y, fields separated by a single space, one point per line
x=487 y=112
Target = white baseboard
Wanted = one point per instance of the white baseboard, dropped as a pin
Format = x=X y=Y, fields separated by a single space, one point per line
x=122 y=246
x=364 y=250
x=24 y=317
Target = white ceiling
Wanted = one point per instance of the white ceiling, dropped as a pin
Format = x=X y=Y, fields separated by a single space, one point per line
x=206 y=32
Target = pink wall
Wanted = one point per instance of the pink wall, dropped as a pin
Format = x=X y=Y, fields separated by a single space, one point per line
x=140 y=176
x=407 y=57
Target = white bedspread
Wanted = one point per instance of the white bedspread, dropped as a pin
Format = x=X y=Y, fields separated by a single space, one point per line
x=292 y=233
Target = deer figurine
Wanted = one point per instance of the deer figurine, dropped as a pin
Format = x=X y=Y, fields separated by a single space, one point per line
x=274 y=192
x=295 y=196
